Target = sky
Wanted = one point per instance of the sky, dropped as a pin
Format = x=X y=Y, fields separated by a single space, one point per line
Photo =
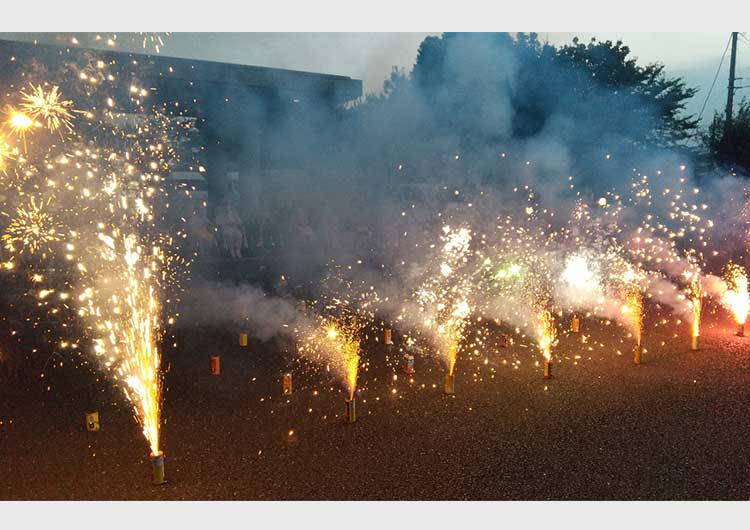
x=370 y=56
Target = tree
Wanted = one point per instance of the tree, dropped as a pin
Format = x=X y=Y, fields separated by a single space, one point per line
x=658 y=100
x=730 y=146
x=490 y=87
x=467 y=80
x=471 y=96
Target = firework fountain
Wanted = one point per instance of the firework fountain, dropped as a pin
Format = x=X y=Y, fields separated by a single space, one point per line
x=346 y=348
x=633 y=312
x=334 y=343
x=546 y=333
x=736 y=297
x=444 y=298
x=89 y=202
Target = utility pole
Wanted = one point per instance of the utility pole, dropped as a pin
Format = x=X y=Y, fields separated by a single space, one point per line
x=730 y=88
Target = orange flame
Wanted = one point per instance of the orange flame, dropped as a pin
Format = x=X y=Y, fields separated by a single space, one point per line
x=633 y=310
x=736 y=297
x=546 y=333
x=347 y=347
x=696 y=299
x=452 y=355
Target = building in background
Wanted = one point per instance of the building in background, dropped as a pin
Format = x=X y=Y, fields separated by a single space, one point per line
x=244 y=126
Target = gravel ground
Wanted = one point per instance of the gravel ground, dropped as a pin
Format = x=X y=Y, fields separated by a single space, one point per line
x=675 y=427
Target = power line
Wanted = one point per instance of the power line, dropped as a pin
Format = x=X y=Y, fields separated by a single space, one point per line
x=715 y=77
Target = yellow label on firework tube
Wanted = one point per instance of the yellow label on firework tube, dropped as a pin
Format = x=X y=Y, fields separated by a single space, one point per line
x=92 y=421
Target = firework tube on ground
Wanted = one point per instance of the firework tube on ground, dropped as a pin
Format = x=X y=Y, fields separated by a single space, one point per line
x=547 y=369
x=740 y=330
x=575 y=325
x=351 y=410
x=449 y=387
x=288 y=384
x=157 y=464
x=215 y=365
x=243 y=339
x=637 y=353
x=92 y=421
x=695 y=346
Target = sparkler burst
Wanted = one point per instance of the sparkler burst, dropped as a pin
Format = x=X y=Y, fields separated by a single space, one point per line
x=32 y=229
x=46 y=107
x=18 y=122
